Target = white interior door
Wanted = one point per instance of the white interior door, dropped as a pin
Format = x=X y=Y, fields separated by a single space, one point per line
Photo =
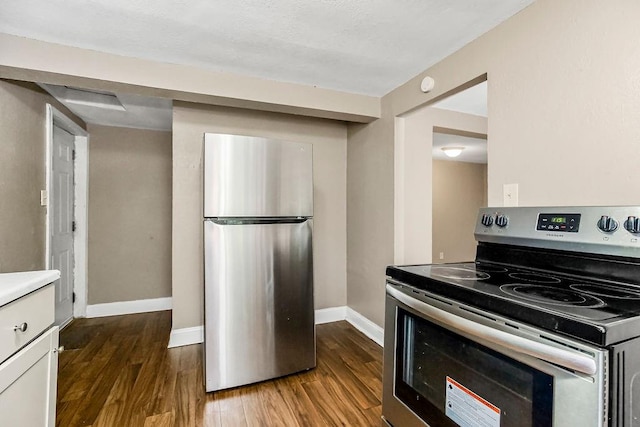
x=61 y=211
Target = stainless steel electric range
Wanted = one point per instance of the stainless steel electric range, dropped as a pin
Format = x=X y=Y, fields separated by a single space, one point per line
x=542 y=329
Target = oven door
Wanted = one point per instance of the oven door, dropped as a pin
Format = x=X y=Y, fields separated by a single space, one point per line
x=446 y=364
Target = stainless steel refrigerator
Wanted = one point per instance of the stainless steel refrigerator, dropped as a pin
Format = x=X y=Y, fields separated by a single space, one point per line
x=258 y=209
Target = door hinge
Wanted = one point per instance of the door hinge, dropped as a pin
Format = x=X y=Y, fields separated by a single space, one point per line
x=73 y=297
x=73 y=226
x=73 y=154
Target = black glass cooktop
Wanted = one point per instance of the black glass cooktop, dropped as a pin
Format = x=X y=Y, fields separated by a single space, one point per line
x=597 y=311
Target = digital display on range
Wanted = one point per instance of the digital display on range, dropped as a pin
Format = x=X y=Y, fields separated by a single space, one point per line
x=566 y=223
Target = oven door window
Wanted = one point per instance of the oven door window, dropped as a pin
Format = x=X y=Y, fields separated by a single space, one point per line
x=449 y=380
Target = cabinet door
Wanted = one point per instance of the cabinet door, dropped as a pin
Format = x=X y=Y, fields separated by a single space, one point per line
x=28 y=383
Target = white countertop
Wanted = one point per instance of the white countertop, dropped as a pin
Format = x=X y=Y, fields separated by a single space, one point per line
x=17 y=285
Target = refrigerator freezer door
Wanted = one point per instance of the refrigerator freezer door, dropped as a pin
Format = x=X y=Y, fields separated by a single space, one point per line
x=259 y=314
x=257 y=177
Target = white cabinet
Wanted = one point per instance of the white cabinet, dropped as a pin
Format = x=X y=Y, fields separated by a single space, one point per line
x=33 y=312
x=28 y=384
x=28 y=359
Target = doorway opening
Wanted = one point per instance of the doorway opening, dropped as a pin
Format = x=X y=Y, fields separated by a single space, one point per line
x=416 y=133
x=65 y=196
x=459 y=190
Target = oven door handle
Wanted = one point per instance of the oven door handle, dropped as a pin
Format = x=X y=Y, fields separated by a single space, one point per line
x=567 y=359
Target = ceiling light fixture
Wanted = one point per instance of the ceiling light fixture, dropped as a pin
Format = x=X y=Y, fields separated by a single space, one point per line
x=452 y=151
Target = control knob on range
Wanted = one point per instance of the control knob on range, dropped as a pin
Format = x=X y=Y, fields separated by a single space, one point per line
x=502 y=220
x=487 y=220
x=632 y=224
x=607 y=224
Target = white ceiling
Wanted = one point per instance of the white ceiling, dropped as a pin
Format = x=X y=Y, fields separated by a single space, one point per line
x=359 y=46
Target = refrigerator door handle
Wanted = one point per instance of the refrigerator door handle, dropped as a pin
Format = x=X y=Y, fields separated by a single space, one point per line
x=246 y=221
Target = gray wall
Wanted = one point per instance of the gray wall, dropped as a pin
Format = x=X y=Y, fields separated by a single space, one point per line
x=370 y=226
x=129 y=214
x=22 y=175
x=459 y=190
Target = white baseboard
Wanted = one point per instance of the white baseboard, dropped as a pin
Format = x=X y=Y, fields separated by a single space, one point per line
x=195 y=335
x=128 y=307
x=366 y=326
x=186 y=336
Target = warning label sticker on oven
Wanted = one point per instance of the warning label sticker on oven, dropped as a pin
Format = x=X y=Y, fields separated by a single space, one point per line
x=468 y=409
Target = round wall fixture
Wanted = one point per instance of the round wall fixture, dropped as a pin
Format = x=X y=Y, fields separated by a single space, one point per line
x=427 y=84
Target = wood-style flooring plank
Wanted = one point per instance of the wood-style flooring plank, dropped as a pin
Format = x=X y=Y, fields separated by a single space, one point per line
x=253 y=406
x=229 y=406
x=159 y=420
x=118 y=371
x=113 y=412
x=366 y=372
x=93 y=402
x=141 y=397
x=298 y=401
x=165 y=383
x=345 y=401
x=209 y=415
x=229 y=399
x=350 y=381
x=373 y=416
x=327 y=407
x=279 y=412
x=186 y=397
x=64 y=414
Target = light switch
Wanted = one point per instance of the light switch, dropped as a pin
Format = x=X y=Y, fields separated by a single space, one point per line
x=44 y=198
x=510 y=195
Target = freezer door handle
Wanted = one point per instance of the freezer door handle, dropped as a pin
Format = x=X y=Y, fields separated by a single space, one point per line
x=260 y=221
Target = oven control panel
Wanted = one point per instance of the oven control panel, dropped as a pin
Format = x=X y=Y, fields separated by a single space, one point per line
x=613 y=230
x=562 y=223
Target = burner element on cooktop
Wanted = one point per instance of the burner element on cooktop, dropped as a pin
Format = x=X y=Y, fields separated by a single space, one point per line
x=458 y=273
x=534 y=277
x=607 y=291
x=551 y=295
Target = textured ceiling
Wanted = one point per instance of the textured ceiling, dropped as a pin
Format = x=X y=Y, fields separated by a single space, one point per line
x=359 y=46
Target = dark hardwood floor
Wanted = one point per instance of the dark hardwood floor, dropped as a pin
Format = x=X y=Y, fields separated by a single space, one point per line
x=117 y=371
